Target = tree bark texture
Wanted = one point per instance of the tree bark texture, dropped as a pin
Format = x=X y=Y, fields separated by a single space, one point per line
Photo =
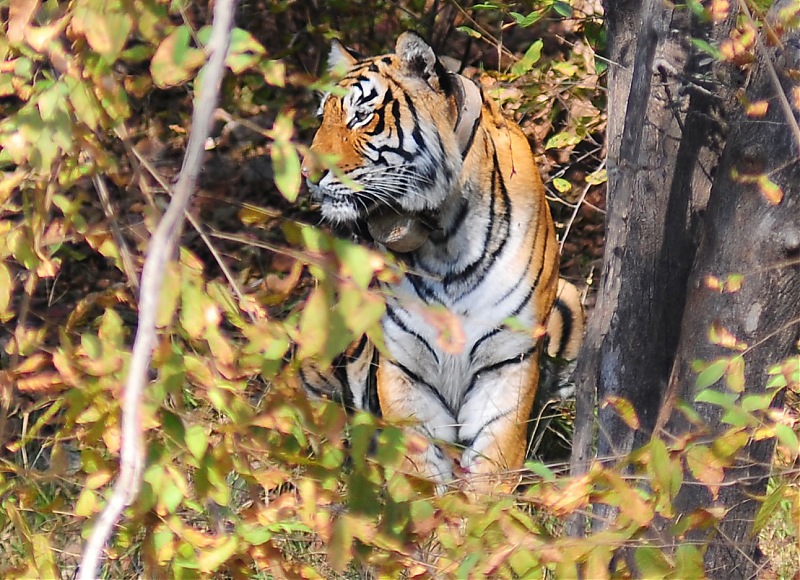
x=663 y=143
x=745 y=233
x=672 y=110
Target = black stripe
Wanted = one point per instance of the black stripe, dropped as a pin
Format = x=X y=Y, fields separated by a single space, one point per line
x=360 y=347
x=428 y=386
x=421 y=288
x=499 y=236
x=522 y=303
x=480 y=341
x=340 y=372
x=402 y=326
x=371 y=400
x=523 y=356
x=566 y=324
x=471 y=441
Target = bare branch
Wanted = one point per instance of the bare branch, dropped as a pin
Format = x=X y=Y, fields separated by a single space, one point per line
x=161 y=250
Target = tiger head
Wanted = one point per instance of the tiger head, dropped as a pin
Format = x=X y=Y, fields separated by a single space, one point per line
x=397 y=125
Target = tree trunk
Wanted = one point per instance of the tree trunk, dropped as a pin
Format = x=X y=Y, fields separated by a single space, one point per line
x=745 y=233
x=663 y=143
x=669 y=108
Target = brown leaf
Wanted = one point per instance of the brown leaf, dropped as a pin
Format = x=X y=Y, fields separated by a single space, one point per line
x=706 y=468
x=20 y=14
x=41 y=383
x=451 y=336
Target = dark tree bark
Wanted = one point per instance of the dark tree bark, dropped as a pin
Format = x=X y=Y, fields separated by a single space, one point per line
x=670 y=107
x=746 y=233
x=663 y=143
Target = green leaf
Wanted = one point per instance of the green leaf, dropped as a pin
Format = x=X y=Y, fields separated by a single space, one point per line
x=192 y=312
x=175 y=61
x=562 y=185
x=711 y=374
x=314 y=325
x=757 y=402
x=707 y=48
x=651 y=562
x=525 y=21
x=788 y=438
x=86 y=107
x=734 y=376
x=562 y=140
x=285 y=160
x=105 y=23
x=598 y=177
x=769 y=506
x=469 y=31
x=196 y=440
x=724 y=400
x=112 y=329
x=541 y=470
x=688 y=563
x=6 y=292
x=531 y=57
x=563 y=9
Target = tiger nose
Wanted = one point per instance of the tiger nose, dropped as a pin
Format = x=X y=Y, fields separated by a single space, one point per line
x=311 y=170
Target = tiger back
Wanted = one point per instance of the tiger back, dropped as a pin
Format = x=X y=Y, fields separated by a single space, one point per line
x=451 y=186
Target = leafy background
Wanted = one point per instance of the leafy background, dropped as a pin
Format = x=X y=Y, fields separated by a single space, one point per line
x=245 y=477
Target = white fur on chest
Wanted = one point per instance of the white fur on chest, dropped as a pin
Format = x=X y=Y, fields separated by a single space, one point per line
x=477 y=316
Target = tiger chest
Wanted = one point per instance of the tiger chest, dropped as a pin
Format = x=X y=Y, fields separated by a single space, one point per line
x=447 y=343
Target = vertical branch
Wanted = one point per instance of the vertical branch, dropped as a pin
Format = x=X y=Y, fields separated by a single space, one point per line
x=162 y=247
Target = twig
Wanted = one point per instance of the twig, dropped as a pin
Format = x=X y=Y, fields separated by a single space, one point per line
x=786 y=107
x=192 y=221
x=124 y=252
x=161 y=249
x=575 y=211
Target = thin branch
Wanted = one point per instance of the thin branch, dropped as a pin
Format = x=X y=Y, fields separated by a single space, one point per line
x=192 y=221
x=786 y=107
x=124 y=252
x=576 y=210
x=162 y=246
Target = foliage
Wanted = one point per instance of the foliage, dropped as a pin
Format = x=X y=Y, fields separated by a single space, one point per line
x=244 y=475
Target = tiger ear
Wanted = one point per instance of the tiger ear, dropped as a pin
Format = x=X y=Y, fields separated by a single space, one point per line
x=340 y=58
x=416 y=57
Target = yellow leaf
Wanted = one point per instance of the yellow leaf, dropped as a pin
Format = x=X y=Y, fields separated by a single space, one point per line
x=757 y=109
x=771 y=191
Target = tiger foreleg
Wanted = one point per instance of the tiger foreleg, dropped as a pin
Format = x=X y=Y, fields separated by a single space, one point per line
x=405 y=398
x=493 y=423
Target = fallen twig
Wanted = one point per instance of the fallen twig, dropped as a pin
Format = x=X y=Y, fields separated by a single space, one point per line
x=162 y=246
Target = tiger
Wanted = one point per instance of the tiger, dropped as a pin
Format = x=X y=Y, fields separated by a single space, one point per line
x=429 y=168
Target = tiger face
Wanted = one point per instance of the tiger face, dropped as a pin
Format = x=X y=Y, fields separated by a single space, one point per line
x=393 y=127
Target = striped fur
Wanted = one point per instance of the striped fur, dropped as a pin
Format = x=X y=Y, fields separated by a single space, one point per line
x=425 y=143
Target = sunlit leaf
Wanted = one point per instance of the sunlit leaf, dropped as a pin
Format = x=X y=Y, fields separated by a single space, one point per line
x=788 y=438
x=561 y=184
x=285 y=160
x=531 y=57
x=562 y=140
x=469 y=31
x=770 y=190
x=757 y=109
x=196 y=439
x=175 y=61
x=706 y=468
x=624 y=410
x=211 y=559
